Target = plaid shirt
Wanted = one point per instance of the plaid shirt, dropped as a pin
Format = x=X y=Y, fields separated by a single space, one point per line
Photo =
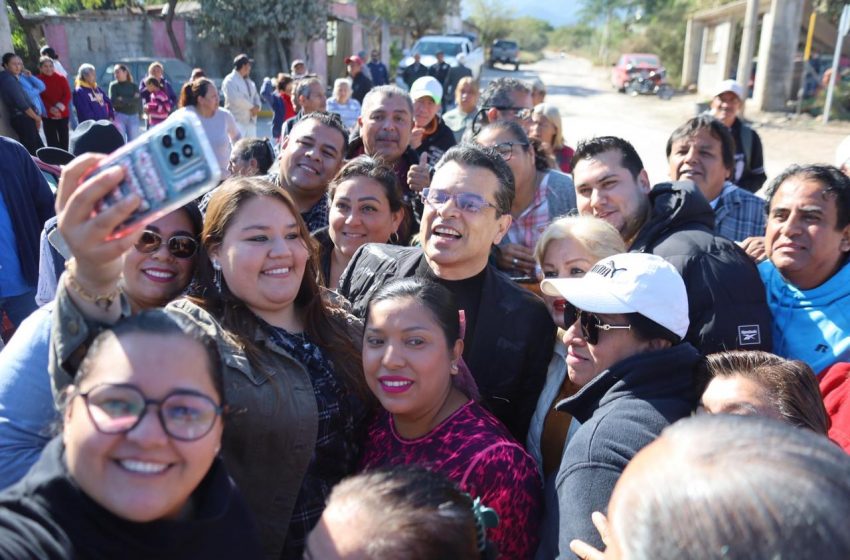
x=527 y=228
x=738 y=214
x=316 y=217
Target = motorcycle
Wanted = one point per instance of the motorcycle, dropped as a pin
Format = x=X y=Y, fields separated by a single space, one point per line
x=644 y=81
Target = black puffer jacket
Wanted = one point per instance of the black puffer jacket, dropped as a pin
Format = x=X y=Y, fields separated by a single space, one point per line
x=726 y=297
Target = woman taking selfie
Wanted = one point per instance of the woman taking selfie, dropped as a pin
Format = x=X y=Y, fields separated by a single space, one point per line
x=156 y=270
x=366 y=207
x=412 y=348
x=292 y=368
x=127 y=480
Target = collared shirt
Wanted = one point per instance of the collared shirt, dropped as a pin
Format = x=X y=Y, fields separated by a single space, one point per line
x=317 y=216
x=527 y=228
x=738 y=214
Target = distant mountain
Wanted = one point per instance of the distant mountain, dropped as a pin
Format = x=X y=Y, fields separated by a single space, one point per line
x=557 y=13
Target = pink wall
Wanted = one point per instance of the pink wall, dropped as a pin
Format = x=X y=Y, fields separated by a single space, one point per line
x=58 y=39
x=161 y=42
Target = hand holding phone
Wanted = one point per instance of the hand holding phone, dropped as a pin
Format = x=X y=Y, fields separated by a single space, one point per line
x=166 y=167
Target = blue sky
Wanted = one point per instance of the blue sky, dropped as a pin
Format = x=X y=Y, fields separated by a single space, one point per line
x=556 y=12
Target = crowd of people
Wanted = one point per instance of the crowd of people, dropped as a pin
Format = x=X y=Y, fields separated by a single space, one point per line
x=416 y=323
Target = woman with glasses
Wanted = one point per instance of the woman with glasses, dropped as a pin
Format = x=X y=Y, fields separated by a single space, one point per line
x=412 y=360
x=291 y=357
x=366 y=207
x=542 y=195
x=157 y=269
x=135 y=472
x=626 y=317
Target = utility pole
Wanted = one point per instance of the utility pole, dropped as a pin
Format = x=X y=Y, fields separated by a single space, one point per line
x=842 y=31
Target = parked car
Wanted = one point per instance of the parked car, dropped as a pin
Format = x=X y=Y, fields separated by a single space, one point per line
x=452 y=45
x=506 y=52
x=177 y=72
x=633 y=62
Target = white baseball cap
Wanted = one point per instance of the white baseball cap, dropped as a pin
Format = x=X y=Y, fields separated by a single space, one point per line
x=427 y=86
x=629 y=283
x=729 y=85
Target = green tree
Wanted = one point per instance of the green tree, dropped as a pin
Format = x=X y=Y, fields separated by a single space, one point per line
x=492 y=18
x=530 y=33
x=238 y=21
x=421 y=16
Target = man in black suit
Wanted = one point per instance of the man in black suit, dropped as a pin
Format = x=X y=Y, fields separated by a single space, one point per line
x=509 y=334
x=415 y=71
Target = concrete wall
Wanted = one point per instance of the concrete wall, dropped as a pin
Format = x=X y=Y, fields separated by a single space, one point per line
x=716 y=57
x=777 y=48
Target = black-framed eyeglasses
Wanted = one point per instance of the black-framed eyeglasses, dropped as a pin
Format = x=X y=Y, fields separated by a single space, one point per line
x=180 y=246
x=184 y=415
x=590 y=323
x=521 y=113
x=506 y=149
x=470 y=203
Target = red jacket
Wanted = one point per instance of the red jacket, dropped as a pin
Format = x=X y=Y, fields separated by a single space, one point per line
x=835 y=388
x=57 y=90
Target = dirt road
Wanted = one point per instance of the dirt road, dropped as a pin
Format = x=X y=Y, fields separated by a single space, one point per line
x=589 y=107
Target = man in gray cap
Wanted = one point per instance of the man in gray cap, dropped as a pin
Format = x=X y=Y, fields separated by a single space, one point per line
x=241 y=97
x=749 y=156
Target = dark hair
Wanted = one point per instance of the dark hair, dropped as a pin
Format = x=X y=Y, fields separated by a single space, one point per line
x=325 y=323
x=473 y=155
x=646 y=329
x=736 y=487
x=191 y=91
x=498 y=92
x=588 y=149
x=444 y=310
x=790 y=385
x=126 y=70
x=375 y=169
x=541 y=160
x=835 y=183
x=151 y=81
x=417 y=514
x=714 y=127
x=283 y=81
x=258 y=149
x=7 y=57
x=160 y=323
x=331 y=120
x=198 y=73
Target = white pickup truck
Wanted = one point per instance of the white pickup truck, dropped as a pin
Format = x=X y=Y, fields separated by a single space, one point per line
x=428 y=46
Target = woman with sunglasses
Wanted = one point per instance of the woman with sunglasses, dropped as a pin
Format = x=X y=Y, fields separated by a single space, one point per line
x=627 y=318
x=542 y=195
x=567 y=249
x=366 y=207
x=412 y=359
x=134 y=473
x=291 y=359
x=157 y=269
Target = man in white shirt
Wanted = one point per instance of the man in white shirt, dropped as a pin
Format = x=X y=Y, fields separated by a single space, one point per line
x=241 y=97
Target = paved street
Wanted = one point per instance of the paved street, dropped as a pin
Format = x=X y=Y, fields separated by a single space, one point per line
x=589 y=106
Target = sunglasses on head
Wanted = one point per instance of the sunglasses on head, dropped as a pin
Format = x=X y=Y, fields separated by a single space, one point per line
x=180 y=246
x=590 y=323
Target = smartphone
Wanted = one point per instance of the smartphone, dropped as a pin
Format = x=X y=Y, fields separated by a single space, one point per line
x=167 y=167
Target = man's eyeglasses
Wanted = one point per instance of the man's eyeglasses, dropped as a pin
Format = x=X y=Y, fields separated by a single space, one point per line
x=117 y=408
x=590 y=323
x=506 y=149
x=180 y=246
x=470 y=203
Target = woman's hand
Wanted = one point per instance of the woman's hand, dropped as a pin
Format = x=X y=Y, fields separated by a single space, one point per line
x=99 y=259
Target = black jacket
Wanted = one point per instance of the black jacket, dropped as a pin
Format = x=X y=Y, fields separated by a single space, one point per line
x=47 y=516
x=360 y=86
x=414 y=72
x=440 y=70
x=726 y=297
x=438 y=143
x=621 y=411
x=514 y=335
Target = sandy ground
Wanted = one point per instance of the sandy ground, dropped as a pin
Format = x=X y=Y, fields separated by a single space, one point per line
x=590 y=106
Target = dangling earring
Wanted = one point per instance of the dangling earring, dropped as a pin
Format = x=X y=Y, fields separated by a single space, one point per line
x=217 y=275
